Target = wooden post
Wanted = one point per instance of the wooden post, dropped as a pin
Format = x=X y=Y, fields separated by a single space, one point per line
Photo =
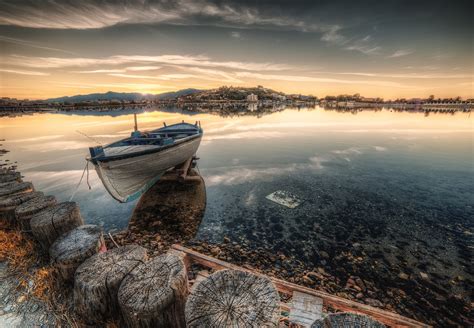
x=182 y=170
x=10 y=176
x=54 y=221
x=97 y=281
x=231 y=298
x=8 y=204
x=25 y=211
x=74 y=247
x=154 y=294
x=336 y=320
x=14 y=187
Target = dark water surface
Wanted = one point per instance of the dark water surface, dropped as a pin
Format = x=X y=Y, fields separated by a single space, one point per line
x=398 y=185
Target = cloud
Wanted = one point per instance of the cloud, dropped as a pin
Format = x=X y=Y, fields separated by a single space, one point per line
x=142 y=68
x=300 y=78
x=101 y=71
x=380 y=148
x=348 y=151
x=365 y=49
x=401 y=53
x=91 y=14
x=332 y=35
x=22 y=72
x=236 y=35
x=184 y=60
x=31 y=44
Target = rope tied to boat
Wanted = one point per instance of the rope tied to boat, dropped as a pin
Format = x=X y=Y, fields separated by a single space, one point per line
x=86 y=169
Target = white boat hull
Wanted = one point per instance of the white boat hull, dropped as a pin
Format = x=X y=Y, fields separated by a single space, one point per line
x=128 y=178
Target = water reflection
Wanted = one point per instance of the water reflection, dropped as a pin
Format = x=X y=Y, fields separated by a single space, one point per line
x=168 y=213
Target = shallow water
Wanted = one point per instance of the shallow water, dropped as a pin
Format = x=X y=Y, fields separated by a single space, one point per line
x=399 y=184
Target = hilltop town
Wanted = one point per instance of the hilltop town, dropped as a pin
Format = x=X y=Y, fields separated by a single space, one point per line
x=227 y=99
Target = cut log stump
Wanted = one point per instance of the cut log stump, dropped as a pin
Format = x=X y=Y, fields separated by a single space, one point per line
x=15 y=187
x=97 y=281
x=154 y=293
x=349 y=320
x=74 y=247
x=8 y=204
x=10 y=176
x=25 y=211
x=49 y=224
x=231 y=298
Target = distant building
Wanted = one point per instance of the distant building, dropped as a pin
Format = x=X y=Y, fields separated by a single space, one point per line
x=252 y=98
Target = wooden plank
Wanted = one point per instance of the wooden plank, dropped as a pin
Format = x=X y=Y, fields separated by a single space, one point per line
x=389 y=318
x=305 y=309
x=182 y=171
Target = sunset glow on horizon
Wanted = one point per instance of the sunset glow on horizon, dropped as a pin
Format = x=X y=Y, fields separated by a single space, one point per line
x=390 y=49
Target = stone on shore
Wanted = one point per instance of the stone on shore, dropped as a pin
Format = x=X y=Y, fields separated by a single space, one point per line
x=97 y=281
x=25 y=211
x=346 y=319
x=154 y=293
x=231 y=298
x=74 y=247
x=49 y=224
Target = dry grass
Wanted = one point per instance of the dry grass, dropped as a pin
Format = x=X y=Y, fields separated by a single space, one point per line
x=17 y=250
x=35 y=277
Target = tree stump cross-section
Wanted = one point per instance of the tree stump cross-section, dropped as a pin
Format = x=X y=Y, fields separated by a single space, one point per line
x=25 y=211
x=8 y=204
x=54 y=221
x=16 y=188
x=154 y=293
x=97 y=281
x=231 y=298
x=74 y=247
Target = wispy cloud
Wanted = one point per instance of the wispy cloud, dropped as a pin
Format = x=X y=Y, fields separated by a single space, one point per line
x=401 y=53
x=31 y=44
x=90 y=14
x=236 y=35
x=142 y=68
x=22 y=72
x=403 y=76
x=365 y=49
x=186 y=60
x=300 y=78
x=98 y=71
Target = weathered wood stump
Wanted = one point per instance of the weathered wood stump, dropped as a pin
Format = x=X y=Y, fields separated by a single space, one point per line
x=10 y=176
x=54 y=221
x=154 y=293
x=231 y=298
x=15 y=187
x=8 y=204
x=74 y=247
x=97 y=281
x=336 y=320
x=25 y=211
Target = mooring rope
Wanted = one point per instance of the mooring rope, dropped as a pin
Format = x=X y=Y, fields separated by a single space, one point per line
x=86 y=168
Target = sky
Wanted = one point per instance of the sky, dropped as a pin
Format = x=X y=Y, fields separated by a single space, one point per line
x=388 y=49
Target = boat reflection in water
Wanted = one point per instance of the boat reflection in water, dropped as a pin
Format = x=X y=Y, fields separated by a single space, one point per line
x=129 y=167
x=169 y=212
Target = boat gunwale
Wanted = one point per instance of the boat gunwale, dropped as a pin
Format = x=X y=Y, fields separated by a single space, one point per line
x=105 y=159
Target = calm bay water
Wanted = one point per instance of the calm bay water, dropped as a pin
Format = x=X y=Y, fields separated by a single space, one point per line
x=398 y=184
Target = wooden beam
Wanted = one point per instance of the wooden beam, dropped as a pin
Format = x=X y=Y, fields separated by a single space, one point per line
x=388 y=318
x=182 y=171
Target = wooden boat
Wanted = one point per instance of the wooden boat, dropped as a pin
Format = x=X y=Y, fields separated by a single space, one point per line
x=129 y=167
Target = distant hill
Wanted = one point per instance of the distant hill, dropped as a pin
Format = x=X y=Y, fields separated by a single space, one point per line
x=128 y=96
x=176 y=94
